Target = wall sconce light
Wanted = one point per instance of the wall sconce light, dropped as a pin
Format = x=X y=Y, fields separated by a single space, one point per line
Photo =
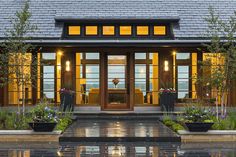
x=174 y=53
x=60 y=53
x=67 y=65
x=166 y=65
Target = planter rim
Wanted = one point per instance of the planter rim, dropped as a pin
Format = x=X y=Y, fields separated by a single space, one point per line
x=43 y=122
x=199 y=122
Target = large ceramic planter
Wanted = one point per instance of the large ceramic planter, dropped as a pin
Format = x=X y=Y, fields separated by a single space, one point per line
x=167 y=101
x=67 y=101
x=198 y=127
x=43 y=127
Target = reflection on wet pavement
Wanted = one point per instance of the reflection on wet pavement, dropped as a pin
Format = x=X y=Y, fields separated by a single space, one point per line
x=119 y=128
x=121 y=150
x=118 y=150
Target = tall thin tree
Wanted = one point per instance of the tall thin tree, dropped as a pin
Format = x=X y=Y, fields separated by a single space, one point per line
x=16 y=62
x=222 y=49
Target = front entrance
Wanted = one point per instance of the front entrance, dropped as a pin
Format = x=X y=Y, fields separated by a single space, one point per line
x=118 y=81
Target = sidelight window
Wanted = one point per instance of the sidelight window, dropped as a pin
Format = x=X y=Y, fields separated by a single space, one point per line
x=146 y=78
x=183 y=81
x=87 y=78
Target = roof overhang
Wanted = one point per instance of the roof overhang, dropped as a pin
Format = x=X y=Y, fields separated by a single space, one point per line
x=118 y=43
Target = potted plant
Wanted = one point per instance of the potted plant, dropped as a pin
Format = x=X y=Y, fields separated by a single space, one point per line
x=167 y=99
x=198 y=119
x=44 y=118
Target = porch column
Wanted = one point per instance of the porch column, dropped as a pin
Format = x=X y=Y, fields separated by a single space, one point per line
x=34 y=72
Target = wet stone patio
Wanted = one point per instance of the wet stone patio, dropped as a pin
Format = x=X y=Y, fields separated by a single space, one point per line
x=115 y=130
x=117 y=137
x=117 y=149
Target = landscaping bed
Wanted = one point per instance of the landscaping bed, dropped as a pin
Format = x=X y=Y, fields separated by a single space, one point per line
x=15 y=126
x=223 y=128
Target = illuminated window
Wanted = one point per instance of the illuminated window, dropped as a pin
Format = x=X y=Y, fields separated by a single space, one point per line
x=182 y=56
x=74 y=30
x=125 y=30
x=159 y=30
x=91 y=30
x=108 y=30
x=142 y=30
x=146 y=78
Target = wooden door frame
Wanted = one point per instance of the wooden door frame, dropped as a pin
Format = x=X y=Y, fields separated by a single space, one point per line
x=129 y=79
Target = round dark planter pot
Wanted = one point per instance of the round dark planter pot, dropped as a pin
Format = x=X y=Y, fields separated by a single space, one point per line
x=198 y=127
x=43 y=127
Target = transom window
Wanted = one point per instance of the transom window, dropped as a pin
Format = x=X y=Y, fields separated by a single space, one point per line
x=74 y=30
x=91 y=30
x=108 y=30
x=159 y=30
x=142 y=30
x=118 y=31
x=125 y=30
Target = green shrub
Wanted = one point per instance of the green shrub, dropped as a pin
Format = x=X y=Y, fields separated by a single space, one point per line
x=228 y=123
x=169 y=123
x=3 y=118
x=177 y=127
x=64 y=122
x=18 y=121
x=10 y=123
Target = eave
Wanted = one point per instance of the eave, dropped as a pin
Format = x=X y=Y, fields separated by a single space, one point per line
x=118 y=43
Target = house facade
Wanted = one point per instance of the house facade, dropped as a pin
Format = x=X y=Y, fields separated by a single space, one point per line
x=115 y=54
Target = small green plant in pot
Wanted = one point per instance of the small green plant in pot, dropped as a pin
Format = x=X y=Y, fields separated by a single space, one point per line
x=197 y=118
x=44 y=117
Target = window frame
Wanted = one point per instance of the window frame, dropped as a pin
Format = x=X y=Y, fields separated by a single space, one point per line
x=149 y=30
x=126 y=35
x=166 y=30
x=184 y=62
x=51 y=62
x=134 y=35
x=104 y=35
x=68 y=28
x=147 y=62
x=85 y=30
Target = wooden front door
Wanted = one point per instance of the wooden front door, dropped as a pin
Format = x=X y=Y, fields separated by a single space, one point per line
x=117 y=81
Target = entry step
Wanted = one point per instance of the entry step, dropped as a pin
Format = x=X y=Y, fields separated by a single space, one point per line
x=122 y=116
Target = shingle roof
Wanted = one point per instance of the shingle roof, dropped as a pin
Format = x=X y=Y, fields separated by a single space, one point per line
x=44 y=12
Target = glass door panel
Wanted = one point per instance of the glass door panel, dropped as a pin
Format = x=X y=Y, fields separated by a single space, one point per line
x=49 y=82
x=116 y=80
